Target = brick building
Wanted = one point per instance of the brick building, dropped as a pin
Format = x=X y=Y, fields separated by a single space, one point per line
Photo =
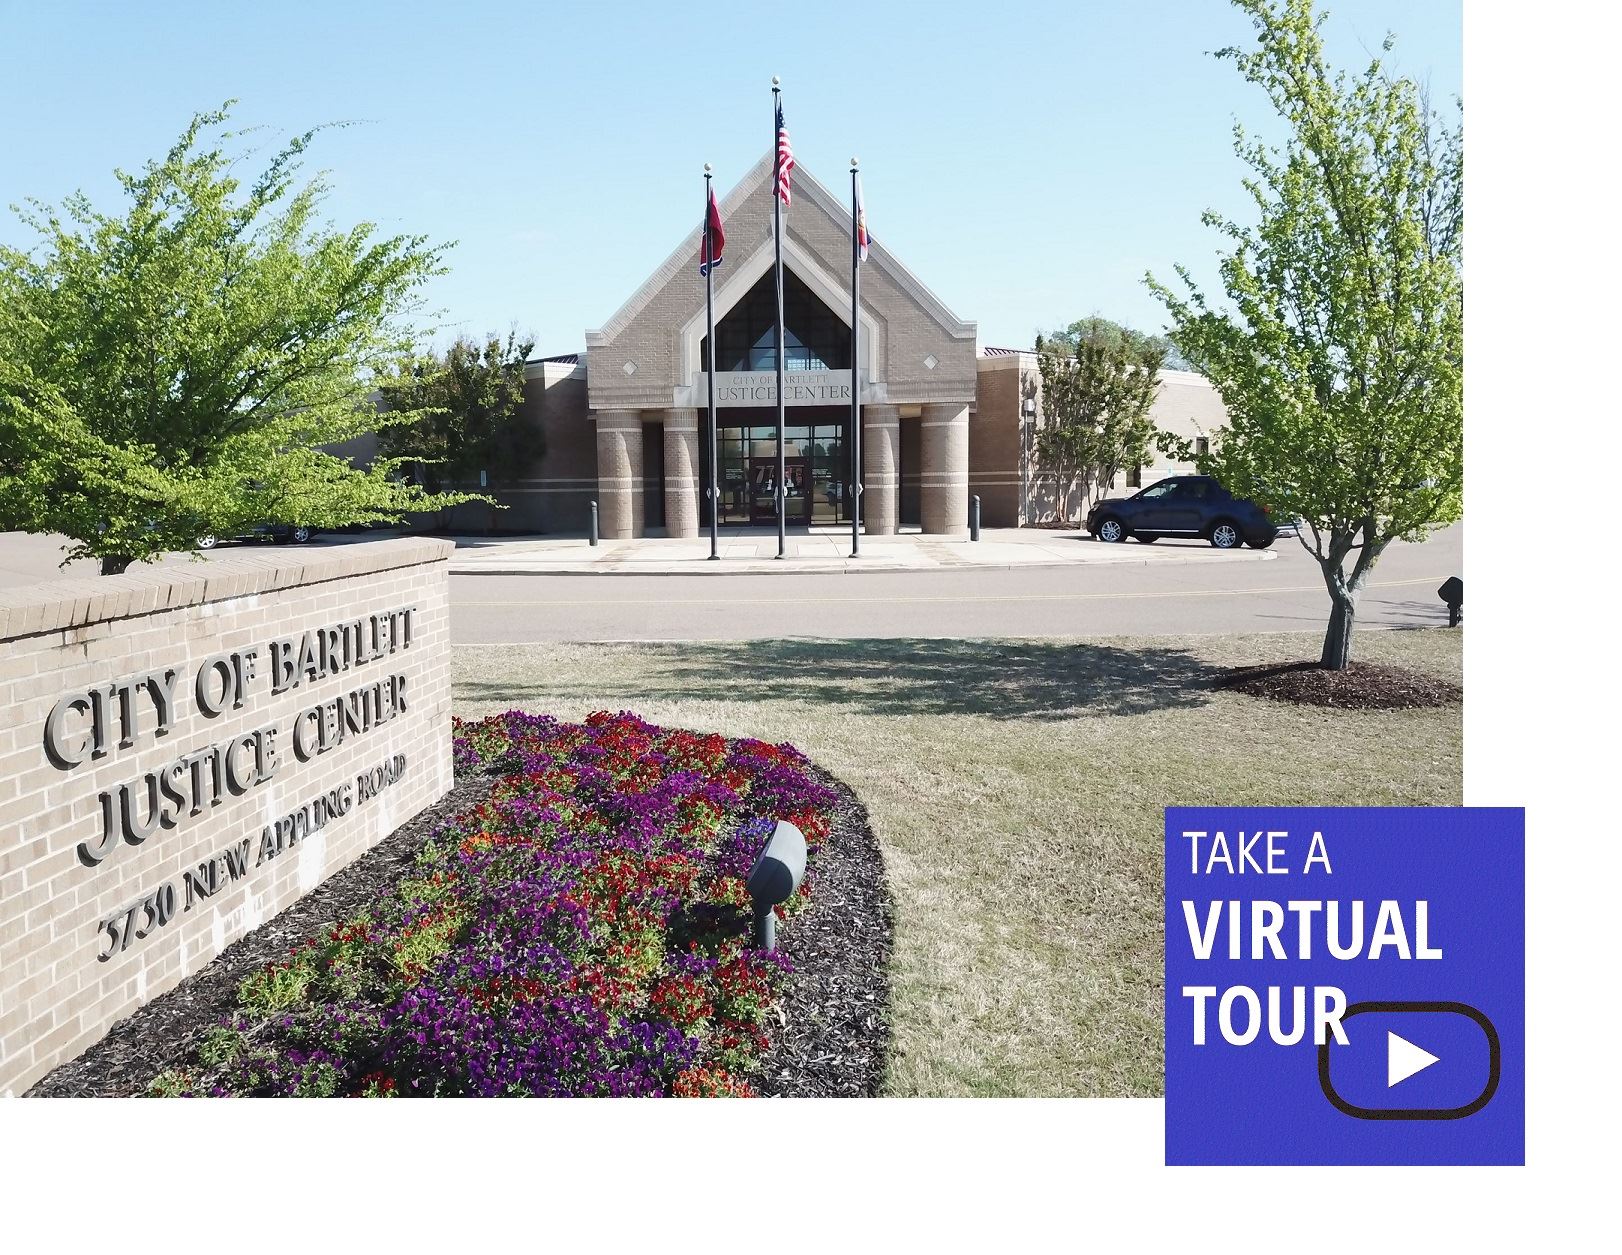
x=941 y=419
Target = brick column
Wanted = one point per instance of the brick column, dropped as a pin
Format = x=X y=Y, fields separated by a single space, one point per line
x=943 y=480
x=619 y=474
x=881 y=464
x=681 y=472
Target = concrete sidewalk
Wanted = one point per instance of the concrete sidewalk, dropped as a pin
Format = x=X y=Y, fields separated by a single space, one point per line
x=821 y=551
x=26 y=559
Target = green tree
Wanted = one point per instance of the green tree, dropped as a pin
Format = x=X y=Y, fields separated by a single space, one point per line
x=1096 y=328
x=176 y=369
x=1340 y=359
x=467 y=405
x=1096 y=394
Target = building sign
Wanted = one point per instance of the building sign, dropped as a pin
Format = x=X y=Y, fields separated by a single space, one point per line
x=759 y=387
x=92 y=724
x=189 y=752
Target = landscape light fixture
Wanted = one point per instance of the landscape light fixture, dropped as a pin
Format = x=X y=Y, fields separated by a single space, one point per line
x=774 y=878
x=1452 y=594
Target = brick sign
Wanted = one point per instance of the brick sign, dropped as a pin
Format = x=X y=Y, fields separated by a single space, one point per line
x=191 y=749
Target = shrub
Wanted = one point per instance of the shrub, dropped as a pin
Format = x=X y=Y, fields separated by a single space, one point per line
x=583 y=931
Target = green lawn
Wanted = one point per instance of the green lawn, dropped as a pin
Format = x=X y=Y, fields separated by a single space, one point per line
x=1017 y=788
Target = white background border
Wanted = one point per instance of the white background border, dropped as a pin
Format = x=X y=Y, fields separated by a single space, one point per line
x=1544 y=218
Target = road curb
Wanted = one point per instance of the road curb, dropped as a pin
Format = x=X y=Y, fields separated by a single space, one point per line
x=721 y=569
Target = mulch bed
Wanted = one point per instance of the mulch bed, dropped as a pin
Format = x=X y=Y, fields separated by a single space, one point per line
x=836 y=1031
x=1362 y=686
x=832 y=1042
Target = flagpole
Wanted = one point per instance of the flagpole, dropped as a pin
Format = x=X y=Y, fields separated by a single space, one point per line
x=709 y=378
x=855 y=366
x=777 y=239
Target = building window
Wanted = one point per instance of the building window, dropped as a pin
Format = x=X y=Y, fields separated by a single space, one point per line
x=1134 y=477
x=814 y=337
x=1202 y=447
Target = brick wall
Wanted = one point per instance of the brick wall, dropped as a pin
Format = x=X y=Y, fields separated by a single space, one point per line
x=96 y=919
x=917 y=356
x=1185 y=404
x=554 y=492
x=994 y=439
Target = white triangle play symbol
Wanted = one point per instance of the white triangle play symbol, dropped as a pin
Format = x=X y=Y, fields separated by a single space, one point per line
x=1403 y=1059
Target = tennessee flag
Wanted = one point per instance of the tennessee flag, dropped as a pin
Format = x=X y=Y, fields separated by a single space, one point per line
x=709 y=253
x=861 y=223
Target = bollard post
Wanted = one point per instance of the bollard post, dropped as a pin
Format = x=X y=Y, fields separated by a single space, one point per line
x=594 y=525
x=974 y=517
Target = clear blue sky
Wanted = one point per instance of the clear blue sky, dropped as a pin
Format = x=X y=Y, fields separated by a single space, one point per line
x=1028 y=161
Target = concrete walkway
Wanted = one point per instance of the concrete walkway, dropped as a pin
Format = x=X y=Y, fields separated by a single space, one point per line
x=821 y=551
x=26 y=559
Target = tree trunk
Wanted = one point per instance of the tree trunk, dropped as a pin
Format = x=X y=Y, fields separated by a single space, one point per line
x=1337 y=652
x=1344 y=589
x=115 y=564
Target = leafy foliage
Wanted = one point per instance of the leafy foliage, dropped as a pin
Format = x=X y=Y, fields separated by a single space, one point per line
x=467 y=406
x=1097 y=390
x=1097 y=329
x=177 y=369
x=1340 y=359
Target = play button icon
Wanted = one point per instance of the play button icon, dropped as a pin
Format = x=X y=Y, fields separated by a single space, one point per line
x=1361 y=1076
x=1403 y=1059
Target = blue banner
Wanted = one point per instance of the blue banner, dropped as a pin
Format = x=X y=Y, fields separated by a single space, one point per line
x=1345 y=985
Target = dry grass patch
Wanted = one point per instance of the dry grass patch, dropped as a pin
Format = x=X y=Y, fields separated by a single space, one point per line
x=1017 y=790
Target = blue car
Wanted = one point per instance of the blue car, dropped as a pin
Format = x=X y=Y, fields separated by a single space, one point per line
x=1193 y=506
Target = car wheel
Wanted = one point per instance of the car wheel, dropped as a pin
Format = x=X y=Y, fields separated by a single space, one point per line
x=1224 y=535
x=1146 y=540
x=1262 y=544
x=1112 y=531
x=301 y=536
x=207 y=542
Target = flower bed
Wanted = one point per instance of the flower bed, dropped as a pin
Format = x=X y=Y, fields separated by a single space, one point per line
x=583 y=931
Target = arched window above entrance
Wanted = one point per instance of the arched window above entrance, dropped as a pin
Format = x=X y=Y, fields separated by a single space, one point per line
x=814 y=337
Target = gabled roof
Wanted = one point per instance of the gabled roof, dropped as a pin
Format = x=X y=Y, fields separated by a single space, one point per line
x=805 y=185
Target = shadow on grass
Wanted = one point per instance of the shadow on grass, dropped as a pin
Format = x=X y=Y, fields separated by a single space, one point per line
x=997 y=679
x=1375 y=613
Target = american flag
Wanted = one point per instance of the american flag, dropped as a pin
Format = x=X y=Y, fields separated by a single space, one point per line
x=785 y=158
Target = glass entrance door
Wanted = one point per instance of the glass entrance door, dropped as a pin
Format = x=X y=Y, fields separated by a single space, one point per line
x=815 y=466
x=762 y=489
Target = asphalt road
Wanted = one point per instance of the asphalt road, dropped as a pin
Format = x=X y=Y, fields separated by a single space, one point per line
x=1286 y=595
